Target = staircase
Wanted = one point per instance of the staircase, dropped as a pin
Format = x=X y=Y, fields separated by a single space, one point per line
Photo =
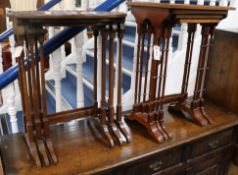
x=68 y=83
x=65 y=95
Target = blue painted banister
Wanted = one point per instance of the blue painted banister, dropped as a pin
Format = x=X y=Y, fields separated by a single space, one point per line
x=50 y=46
x=5 y=35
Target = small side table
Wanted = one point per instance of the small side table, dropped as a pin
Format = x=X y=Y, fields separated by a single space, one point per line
x=29 y=31
x=155 y=20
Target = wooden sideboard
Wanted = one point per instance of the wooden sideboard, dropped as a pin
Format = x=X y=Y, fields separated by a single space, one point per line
x=222 y=77
x=193 y=149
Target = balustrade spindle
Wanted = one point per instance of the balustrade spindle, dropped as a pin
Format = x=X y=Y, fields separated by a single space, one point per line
x=13 y=97
x=11 y=106
x=127 y=103
x=200 y=2
x=12 y=89
x=56 y=67
x=182 y=37
x=79 y=58
x=85 y=4
x=183 y=33
x=223 y=2
x=99 y=70
x=172 y=1
x=187 y=1
x=212 y=2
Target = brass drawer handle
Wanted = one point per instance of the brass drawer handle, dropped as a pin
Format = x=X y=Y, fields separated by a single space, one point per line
x=156 y=165
x=214 y=144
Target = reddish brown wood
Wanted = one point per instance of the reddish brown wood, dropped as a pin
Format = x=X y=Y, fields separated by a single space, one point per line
x=196 y=108
x=95 y=66
x=162 y=17
x=221 y=83
x=3 y=5
x=189 y=51
x=120 y=121
x=192 y=148
x=6 y=57
x=101 y=124
x=40 y=3
x=111 y=123
x=167 y=34
x=29 y=27
x=137 y=67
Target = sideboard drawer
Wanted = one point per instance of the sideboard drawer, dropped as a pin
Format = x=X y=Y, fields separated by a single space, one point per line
x=210 y=143
x=179 y=169
x=155 y=163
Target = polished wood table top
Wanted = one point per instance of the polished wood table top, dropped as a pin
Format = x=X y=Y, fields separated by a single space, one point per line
x=80 y=152
x=179 y=13
x=178 y=6
x=70 y=17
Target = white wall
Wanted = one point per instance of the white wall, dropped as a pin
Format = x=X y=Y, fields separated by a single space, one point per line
x=231 y=22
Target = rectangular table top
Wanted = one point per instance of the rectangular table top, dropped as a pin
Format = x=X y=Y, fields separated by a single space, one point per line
x=179 y=6
x=65 y=18
x=80 y=152
x=178 y=13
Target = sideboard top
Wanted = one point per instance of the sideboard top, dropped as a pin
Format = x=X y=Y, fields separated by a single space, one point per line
x=179 y=6
x=81 y=152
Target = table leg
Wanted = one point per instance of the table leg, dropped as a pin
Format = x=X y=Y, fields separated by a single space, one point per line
x=120 y=121
x=44 y=119
x=118 y=136
x=196 y=109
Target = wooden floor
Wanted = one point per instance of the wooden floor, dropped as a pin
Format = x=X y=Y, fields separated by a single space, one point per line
x=80 y=152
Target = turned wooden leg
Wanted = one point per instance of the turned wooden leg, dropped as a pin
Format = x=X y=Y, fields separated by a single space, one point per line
x=44 y=120
x=116 y=132
x=102 y=124
x=144 y=111
x=36 y=108
x=135 y=106
x=27 y=93
x=197 y=102
x=95 y=68
x=196 y=109
x=29 y=135
x=121 y=123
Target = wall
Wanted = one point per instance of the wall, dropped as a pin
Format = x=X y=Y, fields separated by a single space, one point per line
x=230 y=23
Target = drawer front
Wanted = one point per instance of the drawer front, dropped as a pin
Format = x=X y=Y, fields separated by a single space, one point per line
x=155 y=163
x=214 y=163
x=114 y=171
x=178 y=169
x=210 y=143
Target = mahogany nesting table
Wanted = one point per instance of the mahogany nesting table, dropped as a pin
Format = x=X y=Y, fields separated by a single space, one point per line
x=29 y=30
x=155 y=21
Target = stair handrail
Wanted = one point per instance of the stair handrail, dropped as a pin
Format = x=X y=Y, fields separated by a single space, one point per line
x=51 y=45
x=6 y=34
